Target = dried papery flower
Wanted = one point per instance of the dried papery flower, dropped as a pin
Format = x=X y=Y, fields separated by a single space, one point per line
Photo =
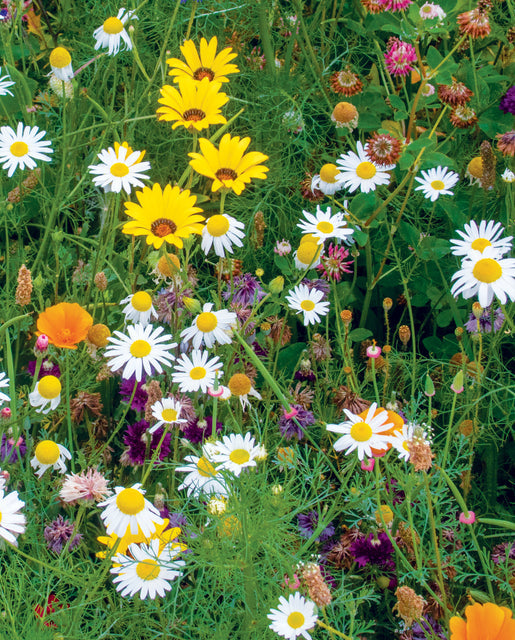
x=387 y=304
x=100 y=281
x=489 y=162
x=346 y=317
x=24 y=288
x=58 y=533
x=466 y=428
x=409 y=605
x=154 y=394
x=420 y=454
x=280 y=332
x=303 y=396
x=345 y=115
x=313 y=195
x=345 y=398
x=454 y=95
x=475 y=23
x=320 y=348
x=346 y=82
x=85 y=487
x=98 y=335
x=228 y=268
x=316 y=585
x=404 y=334
x=83 y=402
x=463 y=117
x=373 y=6
x=383 y=149
x=259 y=227
x=27 y=185
x=506 y=143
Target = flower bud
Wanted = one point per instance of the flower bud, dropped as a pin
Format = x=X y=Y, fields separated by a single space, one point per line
x=457 y=383
x=404 y=334
x=192 y=305
x=387 y=304
x=41 y=344
x=276 y=285
x=429 y=387
x=477 y=310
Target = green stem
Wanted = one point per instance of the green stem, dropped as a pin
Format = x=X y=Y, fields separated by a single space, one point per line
x=68 y=408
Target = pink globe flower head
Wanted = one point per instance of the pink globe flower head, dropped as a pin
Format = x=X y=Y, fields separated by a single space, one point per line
x=368 y=464
x=395 y=5
x=41 y=344
x=399 y=57
x=468 y=518
x=5 y=413
x=373 y=351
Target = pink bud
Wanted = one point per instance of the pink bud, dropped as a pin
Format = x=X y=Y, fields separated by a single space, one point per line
x=468 y=518
x=373 y=351
x=368 y=464
x=5 y=413
x=42 y=343
x=215 y=393
x=291 y=584
x=291 y=413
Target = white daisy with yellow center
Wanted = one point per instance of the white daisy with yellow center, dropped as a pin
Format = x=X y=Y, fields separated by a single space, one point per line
x=49 y=454
x=209 y=327
x=235 y=453
x=308 y=302
x=21 y=148
x=120 y=168
x=328 y=181
x=47 y=392
x=323 y=225
x=138 y=308
x=112 y=32
x=203 y=476
x=309 y=252
x=144 y=349
x=221 y=233
x=358 y=172
x=362 y=434
x=166 y=412
x=12 y=523
x=127 y=510
x=4 y=384
x=293 y=617
x=5 y=83
x=61 y=64
x=485 y=275
x=400 y=439
x=479 y=238
x=437 y=182
x=196 y=373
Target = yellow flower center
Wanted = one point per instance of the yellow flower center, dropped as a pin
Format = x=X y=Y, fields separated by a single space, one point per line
x=47 y=452
x=49 y=387
x=19 y=148
x=205 y=468
x=119 y=169
x=308 y=252
x=307 y=305
x=168 y=264
x=140 y=348
x=239 y=384
x=366 y=170
x=113 y=26
x=437 y=185
x=487 y=270
x=197 y=373
x=206 y=322
x=169 y=415
x=239 y=456
x=361 y=432
x=60 y=58
x=329 y=172
x=475 y=167
x=148 y=569
x=141 y=301
x=163 y=227
x=405 y=445
x=130 y=501
x=480 y=244
x=98 y=335
x=325 y=227
x=217 y=225
x=295 y=620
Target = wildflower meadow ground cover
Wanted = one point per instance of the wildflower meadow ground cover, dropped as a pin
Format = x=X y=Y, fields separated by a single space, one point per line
x=256 y=320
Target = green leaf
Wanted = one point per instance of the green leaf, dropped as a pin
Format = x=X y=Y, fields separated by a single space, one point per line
x=400 y=115
x=358 y=335
x=282 y=263
x=444 y=318
x=363 y=204
x=288 y=357
x=433 y=57
x=396 y=102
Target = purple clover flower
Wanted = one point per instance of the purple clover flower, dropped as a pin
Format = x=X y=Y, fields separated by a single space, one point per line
x=290 y=429
x=57 y=534
x=485 y=321
x=308 y=522
x=246 y=290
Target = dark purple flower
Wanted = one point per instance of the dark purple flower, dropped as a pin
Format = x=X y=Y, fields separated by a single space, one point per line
x=169 y=302
x=57 y=534
x=245 y=290
x=290 y=429
x=427 y=628
x=140 y=397
x=507 y=103
x=398 y=494
x=200 y=429
x=48 y=368
x=502 y=552
x=136 y=439
x=373 y=549
x=178 y=519
x=9 y=449
x=485 y=321
x=308 y=522
x=319 y=284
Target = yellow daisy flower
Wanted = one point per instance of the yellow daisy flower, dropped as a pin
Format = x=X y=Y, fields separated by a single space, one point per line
x=229 y=166
x=206 y=65
x=195 y=106
x=167 y=215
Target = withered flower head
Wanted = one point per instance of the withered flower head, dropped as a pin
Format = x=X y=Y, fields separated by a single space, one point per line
x=345 y=398
x=463 y=117
x=383 y=149
x=409 y=605
x=24 y=288
x=316 y=585
x=420 y=454
x=346 y=82
x=280 y=332
x=454 y=95
x=506 y=143
x=83 y=402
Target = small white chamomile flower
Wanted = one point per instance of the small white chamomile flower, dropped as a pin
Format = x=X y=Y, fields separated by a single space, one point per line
x=293 y=617
x=166 y=412
x=5 y=83
x=112 y=32
x=328 y=181
x=221 y=232
x=128 y=510
x=196 y=373
x=61 y=64
x=21 y=148
x=47 y=392
x=12 y=523
x=210 y=327
x=308 y=302
x=358 y=172
x=236 y=453
x=120 y=168
x=436 y=182
x=4 y=384
x=323 y=225
x=202 y=478
x=49 y=454
x=138 y=308
x=477 y=238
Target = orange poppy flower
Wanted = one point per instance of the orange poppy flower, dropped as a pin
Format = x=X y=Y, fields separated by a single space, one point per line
x=65 y=324
x=484 y=622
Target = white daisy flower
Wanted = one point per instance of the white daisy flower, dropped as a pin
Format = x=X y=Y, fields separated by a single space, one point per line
x=47 y=391
x=478 y=238
x=196 y=373
x=112 y=32
x=236 y=452
x=323 y=225
x=21 y=148
x=437 y=182
x=144 y=349
x=4 y=384
x=121 y=168
x=210 y=327
x=429 y=11
x=485 y=275
x=221 y=232
x=129 y=510
x=49 y=454
x=139 y=308
x=328 y=181
x=166 y=412
x=5 y=83
x=12 y=523
x=362 y=434
x=202 y=475
x=61 y=64
x=145 y=571
x=400 y=440
x=508 y=176
x=293 y=617
x=357 y=171
x=308 y=302
x=309 y=252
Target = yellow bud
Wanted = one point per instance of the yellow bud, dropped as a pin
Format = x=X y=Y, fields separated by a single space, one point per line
x=192 y=304
x=276 y=285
